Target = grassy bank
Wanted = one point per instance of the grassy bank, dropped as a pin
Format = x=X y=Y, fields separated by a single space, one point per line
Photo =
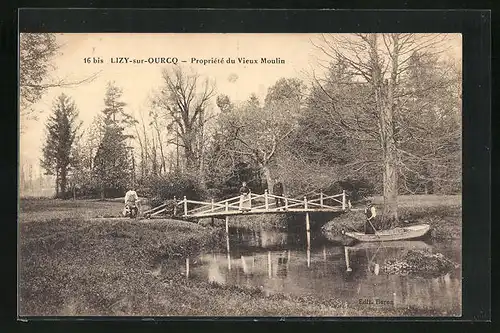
x=114 y=268
x=77 y=267
x=37 y=210
x=74 y=264
x=442 y=213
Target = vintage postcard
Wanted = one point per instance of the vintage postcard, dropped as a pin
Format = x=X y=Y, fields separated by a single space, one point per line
x=190 y=174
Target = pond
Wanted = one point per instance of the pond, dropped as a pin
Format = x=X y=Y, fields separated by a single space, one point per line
x=297 y=263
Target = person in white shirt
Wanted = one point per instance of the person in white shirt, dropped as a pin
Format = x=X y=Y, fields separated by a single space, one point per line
x=371 y=214
x=131 y=197
x=131 y=202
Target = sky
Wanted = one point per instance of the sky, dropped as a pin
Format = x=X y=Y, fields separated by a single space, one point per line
x=138 y=81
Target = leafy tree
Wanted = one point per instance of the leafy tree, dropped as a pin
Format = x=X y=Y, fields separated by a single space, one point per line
x=36 y=51
x=429 y=129
x=112 y=164
x=36 y=54
x=224 y=103
x=321 y=151
x=255 y=134
x=62 y=127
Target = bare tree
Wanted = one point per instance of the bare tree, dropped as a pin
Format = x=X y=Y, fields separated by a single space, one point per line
x=184 y=99
x=381 y=61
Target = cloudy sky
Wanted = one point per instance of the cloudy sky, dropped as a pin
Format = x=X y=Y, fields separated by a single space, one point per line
x=139 y=80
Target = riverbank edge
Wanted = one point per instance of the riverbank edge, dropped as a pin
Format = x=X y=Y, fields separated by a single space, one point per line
x=445 y=222
x=71 y=273
x=117 y=267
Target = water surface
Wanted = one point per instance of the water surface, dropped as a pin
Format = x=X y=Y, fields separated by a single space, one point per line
x=295 y=263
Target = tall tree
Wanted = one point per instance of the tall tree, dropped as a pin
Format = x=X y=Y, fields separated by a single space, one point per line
x=184 y=99
x=429 y=127
x=62 y=127
x=381 y=60
x=112 y=163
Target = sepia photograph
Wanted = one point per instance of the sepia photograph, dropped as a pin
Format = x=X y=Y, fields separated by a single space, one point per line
x=240 y=174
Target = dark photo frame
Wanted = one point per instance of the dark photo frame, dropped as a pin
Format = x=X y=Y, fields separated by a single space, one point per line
x=474 y=25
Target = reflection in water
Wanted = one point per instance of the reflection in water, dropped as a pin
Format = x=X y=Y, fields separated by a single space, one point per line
x=244 y=265
x=214 y=273
x=279 y=262
x=308 y=248
x=282 y=271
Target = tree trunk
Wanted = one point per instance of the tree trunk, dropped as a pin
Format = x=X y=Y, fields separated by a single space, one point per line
x=163 y=164
x=390 y=160
x=384 y=100
x=390 y=189
x=64 y=173
x=57 y=183
x=189 y=156
x=133 y=171
x=267 y=176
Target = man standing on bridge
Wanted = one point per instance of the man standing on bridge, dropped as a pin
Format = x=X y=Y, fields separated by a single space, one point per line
x=245 y=203
x=278 y=191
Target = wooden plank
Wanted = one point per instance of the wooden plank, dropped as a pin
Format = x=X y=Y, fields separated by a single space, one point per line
x=205 y=203
x=264 y=211
x=158 y=212
x=289 y=199
x=154 y=209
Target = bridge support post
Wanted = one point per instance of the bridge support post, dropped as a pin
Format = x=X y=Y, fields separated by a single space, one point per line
x=175 y=206
x=227 y=224
x=286 y=202
x=343 y=200
x=307 y=215
x=267 y=199
x=185 y=206
x=321 y=199
x=212 y=208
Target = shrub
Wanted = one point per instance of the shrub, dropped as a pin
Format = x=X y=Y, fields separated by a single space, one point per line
x=356 y=189
x=176 y=185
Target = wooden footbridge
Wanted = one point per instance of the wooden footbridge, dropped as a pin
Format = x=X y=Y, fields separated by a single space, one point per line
x=256 y=204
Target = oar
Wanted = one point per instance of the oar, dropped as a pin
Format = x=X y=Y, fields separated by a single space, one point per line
x=373 y=228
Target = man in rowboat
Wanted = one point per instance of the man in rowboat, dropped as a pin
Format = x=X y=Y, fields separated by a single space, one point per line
x=371 y=214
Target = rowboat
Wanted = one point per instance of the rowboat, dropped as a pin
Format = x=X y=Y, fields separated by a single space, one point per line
x=399 y=233
x=399 y=244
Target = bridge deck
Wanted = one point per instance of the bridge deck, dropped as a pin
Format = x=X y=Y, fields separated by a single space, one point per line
x=259 y=204
x=265 y=211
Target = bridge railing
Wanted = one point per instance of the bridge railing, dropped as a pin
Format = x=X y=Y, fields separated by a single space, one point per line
x=262 y=202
